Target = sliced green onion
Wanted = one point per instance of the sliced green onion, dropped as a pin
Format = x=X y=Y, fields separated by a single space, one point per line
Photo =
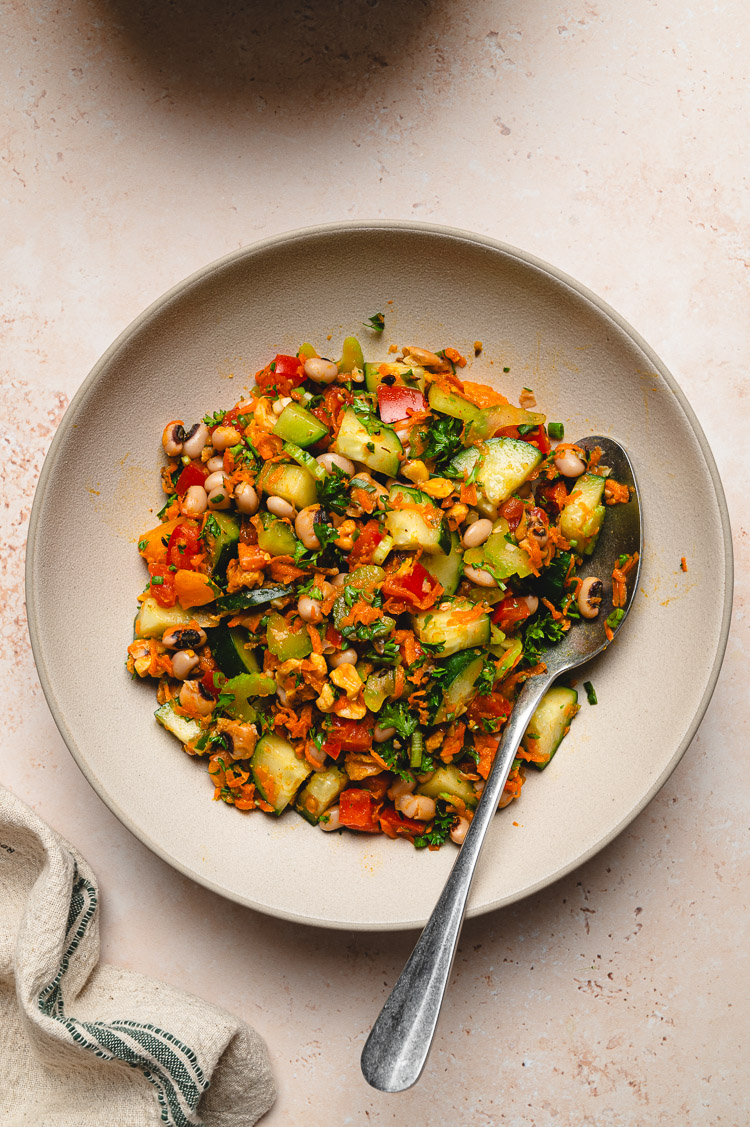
x=310 y=464
x=556 y=431
x=381 y=552
x=590 y=692
x=615 y=618
x=415 y=752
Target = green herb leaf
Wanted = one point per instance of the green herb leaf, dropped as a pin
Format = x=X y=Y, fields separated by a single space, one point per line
x=440 y=828
x=376 y=322
x=590 y=692
x=443 y=439
x=214 y=420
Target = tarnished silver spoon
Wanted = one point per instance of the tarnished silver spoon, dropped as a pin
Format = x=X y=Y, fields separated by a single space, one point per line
x=396 y=1050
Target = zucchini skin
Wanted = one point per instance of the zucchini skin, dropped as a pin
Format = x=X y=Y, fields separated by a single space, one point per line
x=549 y=724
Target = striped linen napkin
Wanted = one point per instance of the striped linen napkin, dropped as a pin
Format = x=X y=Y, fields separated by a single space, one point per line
x=83 y=1044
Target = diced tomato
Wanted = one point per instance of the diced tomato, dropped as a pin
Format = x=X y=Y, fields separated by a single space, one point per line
x=537 y=437
x=348 y=735
x=334 y=401
x=510 y=612
x=398 y=402
x=417 y=587
x=396 y=825
x=283 y=373
x=194 y=474
x=365 y=544
x=512 y=510
x=377 y=785
x=334 y=637
x=213 y=681
x=162 y=585
x=358 y=810
x=184 y=546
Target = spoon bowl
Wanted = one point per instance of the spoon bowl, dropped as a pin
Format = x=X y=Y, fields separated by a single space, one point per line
x=396 y=1050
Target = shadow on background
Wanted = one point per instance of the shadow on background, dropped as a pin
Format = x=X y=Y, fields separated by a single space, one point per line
x=282 y=56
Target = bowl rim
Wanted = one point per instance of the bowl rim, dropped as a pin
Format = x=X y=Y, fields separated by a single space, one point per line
x=284 y=239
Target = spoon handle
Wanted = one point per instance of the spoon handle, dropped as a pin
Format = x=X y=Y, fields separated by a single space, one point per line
x=396 y=1050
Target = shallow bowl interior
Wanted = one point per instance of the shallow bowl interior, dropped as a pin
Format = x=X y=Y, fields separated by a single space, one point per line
x=197 y=349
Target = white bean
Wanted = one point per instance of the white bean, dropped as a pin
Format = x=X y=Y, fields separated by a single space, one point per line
x=195 y=439
x=401 y=786
x=219 y=498
x=532 y=603
x=332 y=820
x=309 y=609
x=320 y=370
x=183 y=664
x=279 y=507
x=195 y=501
x=192 y=699
x=304 y=526
x=477 y=533
x=215 y=463
x=590 y=596
x=381 y=734
x=224 y=437
x=569 y=464
x=339 y=580
x=184 y=637
x=245 y=498
x=172 y=438
x=417 y=806
x=281 y=695
x=346 y=657
x=213 y=481
x=458 y=830
x=479 y=576
x=328 y=461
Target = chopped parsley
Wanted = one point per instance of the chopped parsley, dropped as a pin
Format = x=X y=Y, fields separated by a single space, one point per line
x=440 y=828
x=376 y=322
x=169 y=502
x=443 y=439
x=333 y=491
x=397 y=714
x=539 y=635
x=214 y=420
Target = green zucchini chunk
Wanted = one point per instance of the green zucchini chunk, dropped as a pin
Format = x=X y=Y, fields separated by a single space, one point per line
x=583 y=514
x=154 y=620
x=447 y=781
x=182 y=727
x=421 y=526
x=230 y=651
x=549 y=724
x=247 y=599
x=278 y=772
x=369 y=441
x=291 y=482
x=298 y=425
x=436 y=626
x=320 y=793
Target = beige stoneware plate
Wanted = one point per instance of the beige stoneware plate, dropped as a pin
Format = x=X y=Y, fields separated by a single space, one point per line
x=197 y=349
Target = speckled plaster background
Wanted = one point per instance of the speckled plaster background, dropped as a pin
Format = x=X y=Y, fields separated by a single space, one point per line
x=141 y=140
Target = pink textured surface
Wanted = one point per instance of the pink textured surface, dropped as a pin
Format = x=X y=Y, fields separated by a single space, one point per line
x=608 y=139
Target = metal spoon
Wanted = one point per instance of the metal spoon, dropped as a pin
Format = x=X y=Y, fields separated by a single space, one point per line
x=396 y=1050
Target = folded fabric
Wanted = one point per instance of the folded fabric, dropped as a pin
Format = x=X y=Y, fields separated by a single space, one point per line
x=87 y=1045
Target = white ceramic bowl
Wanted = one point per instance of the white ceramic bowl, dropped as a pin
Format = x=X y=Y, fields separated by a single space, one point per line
x=196 y=349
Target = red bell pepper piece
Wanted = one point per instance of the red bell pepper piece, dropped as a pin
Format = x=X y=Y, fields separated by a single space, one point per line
x=552 y=496
x=191 y=475
x=365 y=544
x=284 y=373
x=510 y=612
x=417 y=586
x=396 y=825
x=398 y=402
x=348 y=735
x=537 y=437
x=358 y=810
x=184 y=546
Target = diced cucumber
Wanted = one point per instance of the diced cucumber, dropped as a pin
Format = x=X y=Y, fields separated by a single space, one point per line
x=278 y=772
x=422 y=525
x=501 y=557
x=244 y=689
x=306 y=352
x=368 y=577
x=321 y=792
x=181 y=726
x=351 y=355
x=153 y=620
x=504 y=465
x=583 y=513
x=549 y=723
x=312 y=465
x=409 y=374
x=459 y=677
x=222 y=533
x=292 y=483
x=275 y=536
x=491 y=419
x=299 y=426
x=435 y=626
x=447 y=569
x=285 y=643
x=374 y=444
x=378 y=687
x=231 y=653
x=450 y=403
x=447 y=780
x=510 y=656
